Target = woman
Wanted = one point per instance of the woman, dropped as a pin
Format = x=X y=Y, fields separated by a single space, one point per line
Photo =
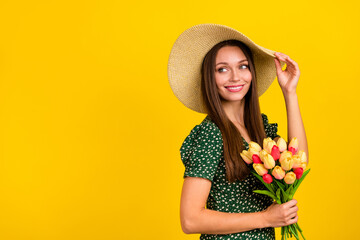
x=232 y=72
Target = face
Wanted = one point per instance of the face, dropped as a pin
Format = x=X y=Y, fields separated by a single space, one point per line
x=232 y=74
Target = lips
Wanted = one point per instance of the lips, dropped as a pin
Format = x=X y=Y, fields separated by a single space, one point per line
x=233 y=86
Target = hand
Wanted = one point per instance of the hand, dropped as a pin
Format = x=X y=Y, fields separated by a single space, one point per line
x=279 y=215
x=288 y=79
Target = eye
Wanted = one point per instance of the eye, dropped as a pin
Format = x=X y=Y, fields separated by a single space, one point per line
x=221 y=69
x=244 y=65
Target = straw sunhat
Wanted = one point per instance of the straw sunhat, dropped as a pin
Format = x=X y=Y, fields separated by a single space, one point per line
x=189 y=50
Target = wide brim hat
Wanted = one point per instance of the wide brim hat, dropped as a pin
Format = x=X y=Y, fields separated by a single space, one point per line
x=189 y=50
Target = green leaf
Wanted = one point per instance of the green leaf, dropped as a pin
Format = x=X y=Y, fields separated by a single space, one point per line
x=265 y=192
x=289 y=192
x=280 y=184
x=299 y=182
x=278 y=196
x=285 y=196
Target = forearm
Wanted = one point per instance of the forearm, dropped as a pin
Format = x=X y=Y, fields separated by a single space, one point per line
x=295 y=123
x=214 y=222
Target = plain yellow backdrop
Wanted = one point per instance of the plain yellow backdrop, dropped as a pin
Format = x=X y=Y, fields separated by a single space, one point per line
x=91 y=131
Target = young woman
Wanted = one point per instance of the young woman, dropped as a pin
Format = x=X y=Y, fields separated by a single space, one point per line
x=232 y=72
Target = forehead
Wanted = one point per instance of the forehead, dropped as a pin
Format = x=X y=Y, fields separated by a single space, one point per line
x=230 y=52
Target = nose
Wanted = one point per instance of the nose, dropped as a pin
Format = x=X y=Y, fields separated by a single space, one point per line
x=235 y=75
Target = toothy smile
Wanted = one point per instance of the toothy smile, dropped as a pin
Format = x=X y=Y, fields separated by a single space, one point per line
x=234 y=88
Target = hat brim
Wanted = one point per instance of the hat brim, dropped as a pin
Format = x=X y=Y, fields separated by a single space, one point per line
x=188 y=51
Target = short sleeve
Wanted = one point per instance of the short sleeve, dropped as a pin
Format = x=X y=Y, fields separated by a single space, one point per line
x=201 y=151
x=270 y=128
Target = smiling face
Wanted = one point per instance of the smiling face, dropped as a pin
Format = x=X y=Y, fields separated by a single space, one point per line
x=232 y=73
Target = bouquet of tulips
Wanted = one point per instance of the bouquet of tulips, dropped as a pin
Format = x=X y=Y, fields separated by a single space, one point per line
x=281 y=169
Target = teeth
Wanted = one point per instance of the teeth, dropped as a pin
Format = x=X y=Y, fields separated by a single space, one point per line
x=235 y=87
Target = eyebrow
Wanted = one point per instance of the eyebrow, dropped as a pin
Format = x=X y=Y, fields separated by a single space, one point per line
x=244 y=60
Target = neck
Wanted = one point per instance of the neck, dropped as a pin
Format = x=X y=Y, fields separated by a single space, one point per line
x=235 y=111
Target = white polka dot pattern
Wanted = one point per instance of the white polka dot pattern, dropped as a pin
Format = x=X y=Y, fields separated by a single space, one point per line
x=202 y=156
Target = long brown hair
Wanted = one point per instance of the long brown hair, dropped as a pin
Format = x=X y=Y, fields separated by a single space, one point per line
x=236 y=168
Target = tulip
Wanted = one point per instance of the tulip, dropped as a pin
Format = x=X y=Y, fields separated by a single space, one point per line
x=260 y=169
x=265 y=142
x=294 y=143
x=269 y=145
x=287 y=163
x=281 y=143
x=255 y=146
x=267 y=178
x=262 y=154
x=253 y=151
x=256 y=158
x=245 y=156
x=298 y=172
x=290 y=178
x=303 y=166
x=300 y=160
x=302 y=155
x=297 y=161
x=292 y=150
x=275 y=152
x=278 y=172
x=269 y=161
x=285 y=154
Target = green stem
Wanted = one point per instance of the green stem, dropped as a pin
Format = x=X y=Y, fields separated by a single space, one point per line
x=294 y=231
x=297 y=225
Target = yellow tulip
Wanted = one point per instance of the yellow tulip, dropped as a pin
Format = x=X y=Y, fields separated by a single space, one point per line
x=255 y=146
x=281 y=143
x=302 y=155
x=290 y=178
x=300 y=160
x=269 y=146
x=253 y=151
x=296 y=161
x=246 y=156
x=260 y=168
x=265 y=142
x=278 y=172
x=285 y=154
x=287 y=163
x=269 y=161
x=262 y=154
x=303 y=166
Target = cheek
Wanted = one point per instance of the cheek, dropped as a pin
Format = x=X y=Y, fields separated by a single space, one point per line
x=248 y=76
x=219 y=80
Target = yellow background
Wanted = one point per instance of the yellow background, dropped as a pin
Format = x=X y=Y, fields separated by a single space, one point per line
x=91 y=131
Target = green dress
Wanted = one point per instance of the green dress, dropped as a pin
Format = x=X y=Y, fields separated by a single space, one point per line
x=202 y=156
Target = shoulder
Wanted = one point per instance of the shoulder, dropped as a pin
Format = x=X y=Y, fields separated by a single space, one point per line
x=202 y=150
x=204 y=135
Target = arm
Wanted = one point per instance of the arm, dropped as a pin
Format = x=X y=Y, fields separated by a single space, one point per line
x=295 y=123
x=288 y=80
x=196 y=219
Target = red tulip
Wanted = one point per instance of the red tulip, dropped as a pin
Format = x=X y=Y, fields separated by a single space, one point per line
x=267 y=178
x=292 y=150
x=275 y=152
x=298 y=172
x=256 y=158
